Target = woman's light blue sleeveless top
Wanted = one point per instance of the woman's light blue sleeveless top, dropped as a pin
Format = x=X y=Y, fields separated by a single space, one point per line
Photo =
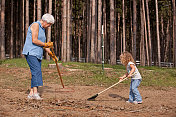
x=32 y=49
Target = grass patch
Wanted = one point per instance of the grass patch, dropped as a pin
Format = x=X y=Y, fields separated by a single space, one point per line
x=92 y=74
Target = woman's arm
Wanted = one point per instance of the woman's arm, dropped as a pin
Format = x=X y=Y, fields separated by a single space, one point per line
x=35 y=30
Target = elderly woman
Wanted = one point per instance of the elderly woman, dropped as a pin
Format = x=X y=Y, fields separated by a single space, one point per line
x=33 y=51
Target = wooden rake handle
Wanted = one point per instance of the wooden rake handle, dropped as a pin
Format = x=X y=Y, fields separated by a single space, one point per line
x=58 y=68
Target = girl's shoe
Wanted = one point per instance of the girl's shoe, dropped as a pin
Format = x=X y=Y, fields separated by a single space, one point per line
x=135 y=102
x=37 y=97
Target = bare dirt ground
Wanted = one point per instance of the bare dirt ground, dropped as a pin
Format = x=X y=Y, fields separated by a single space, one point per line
x=72 y=101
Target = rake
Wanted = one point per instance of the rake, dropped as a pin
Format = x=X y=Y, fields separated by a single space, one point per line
x=93 y=97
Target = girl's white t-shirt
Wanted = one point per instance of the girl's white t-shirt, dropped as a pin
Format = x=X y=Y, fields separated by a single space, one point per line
x=136 y=73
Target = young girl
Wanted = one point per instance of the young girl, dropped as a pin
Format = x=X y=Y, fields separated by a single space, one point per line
x=132 y=71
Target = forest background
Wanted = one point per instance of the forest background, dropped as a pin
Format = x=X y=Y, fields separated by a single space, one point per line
x=95 y=31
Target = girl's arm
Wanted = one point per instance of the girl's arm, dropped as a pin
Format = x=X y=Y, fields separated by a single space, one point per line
x=125 y=75
x=132 y=70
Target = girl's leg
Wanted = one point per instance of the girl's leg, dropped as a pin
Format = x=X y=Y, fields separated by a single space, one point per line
x=135 y=84
x=131 y=95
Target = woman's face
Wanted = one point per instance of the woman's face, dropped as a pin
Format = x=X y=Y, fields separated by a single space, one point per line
x=46 y=25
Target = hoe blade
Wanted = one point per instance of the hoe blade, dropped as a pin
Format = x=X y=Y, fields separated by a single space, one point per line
x=92 y=98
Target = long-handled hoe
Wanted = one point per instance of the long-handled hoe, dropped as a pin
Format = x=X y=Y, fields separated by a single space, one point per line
x=93 y=97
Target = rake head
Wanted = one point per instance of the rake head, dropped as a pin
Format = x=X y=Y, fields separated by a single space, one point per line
x=92 y=98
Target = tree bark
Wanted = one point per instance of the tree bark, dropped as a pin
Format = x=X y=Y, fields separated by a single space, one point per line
x=49 y=28
x=99 y=31
x=68 y=30
x=134 y=30
x=22 y=28
x=158 y=38
x=142 y=49
x=89 y=9
x=112 y=34
x=93 y=33
x=27 y=16
x=167 y=43
x=64 y=31
x=39 y=9
x=11 y=32
x=123 y=17
x=174 y=32
x=145 y=29
x=2 y=34
x=34 y=11
x=149 y=35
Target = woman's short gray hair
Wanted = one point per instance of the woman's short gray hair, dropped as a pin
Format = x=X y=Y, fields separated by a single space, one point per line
x=48 y=18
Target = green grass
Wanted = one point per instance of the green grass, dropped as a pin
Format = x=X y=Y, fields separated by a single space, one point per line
x=92 y=74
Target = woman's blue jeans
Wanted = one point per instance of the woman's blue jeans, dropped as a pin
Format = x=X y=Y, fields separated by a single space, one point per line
x=134 y=93
x=35 y=67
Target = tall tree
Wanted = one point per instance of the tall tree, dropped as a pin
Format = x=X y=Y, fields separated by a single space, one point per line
x=89 y=14
x=34 y=11
x=112 y=34
x=17 y=32
x=2 y=34
x=142 y=48
x=99 y=54
x=134 y=30
x=145 y=32
x=39 y=9
x=157 y=30
x=49 y=28
x=123 y=17
x=69 y=30
x=149 y=34
x=93 y=32
x=11 y=31
x=64 y=31
x=174 y=32
x=27 y=17
x=22 y=28
x=104 y=30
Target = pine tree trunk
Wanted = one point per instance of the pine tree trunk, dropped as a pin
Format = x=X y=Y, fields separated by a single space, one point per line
x=112 y=34
x=162 y=37
x=142 y=49
x=158 y=38
x=27 y=17
x=124 y=43
x=145 y=29
x=167 y=43
x=68 y=30
x=99 y=53
x=49 y=28
x=134 y=30
x=174 y=32
x=104 y=30
x=2 y=28
x=11 y=31
x=39 y=9
x=64 y=31
x=149 y=34
x=93 y=33
x=34 y=11
x=17 y=29
x=22 y=28
x=89 y=9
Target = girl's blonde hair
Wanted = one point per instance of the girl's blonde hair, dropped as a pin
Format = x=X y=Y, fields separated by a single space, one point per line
x=126 y=57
